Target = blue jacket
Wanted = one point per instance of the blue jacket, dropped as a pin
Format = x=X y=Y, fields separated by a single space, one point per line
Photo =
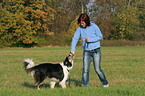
x=94 y=34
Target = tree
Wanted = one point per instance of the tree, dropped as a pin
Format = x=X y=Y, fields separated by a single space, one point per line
x=119 y=19
x=101 y=11
x=41 y=15
x=23 y=20
x=15 y=30
x=127 y=21
x=66 y=11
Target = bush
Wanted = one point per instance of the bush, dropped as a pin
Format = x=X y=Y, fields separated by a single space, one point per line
x=122 y=43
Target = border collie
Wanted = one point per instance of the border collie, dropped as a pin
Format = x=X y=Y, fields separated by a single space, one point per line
x=56 y=72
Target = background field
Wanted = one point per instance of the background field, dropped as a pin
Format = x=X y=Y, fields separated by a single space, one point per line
x=124 y=68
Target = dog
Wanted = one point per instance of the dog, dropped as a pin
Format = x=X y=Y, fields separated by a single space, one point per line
x=56 y=72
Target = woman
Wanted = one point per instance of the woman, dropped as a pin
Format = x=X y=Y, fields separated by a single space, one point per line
x=91 y=36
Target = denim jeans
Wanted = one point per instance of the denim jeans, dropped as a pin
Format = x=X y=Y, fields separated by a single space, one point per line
x=96 y=55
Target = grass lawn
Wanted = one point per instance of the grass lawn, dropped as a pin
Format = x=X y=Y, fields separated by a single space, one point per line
x=124 y=68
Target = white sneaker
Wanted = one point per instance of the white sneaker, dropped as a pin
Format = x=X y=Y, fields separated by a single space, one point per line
x=106 y=85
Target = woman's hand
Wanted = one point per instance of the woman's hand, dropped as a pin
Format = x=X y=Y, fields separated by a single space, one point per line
x=73 y=52
x=87 y=39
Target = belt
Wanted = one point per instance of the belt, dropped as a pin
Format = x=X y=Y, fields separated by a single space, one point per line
x=94 y=50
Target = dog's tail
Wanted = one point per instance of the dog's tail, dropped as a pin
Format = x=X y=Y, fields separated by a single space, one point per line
x=28 y=64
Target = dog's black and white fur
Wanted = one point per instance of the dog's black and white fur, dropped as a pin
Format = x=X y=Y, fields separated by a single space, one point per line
x=56 y=72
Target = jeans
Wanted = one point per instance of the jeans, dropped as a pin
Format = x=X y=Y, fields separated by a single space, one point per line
x=96 y=55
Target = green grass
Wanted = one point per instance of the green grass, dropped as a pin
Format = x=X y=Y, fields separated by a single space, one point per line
x=124 y=68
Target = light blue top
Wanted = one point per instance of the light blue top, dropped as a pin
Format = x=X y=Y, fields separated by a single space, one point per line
x=94 y=34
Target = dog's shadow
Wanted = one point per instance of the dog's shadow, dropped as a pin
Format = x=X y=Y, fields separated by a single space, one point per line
x=44 y=85
x=28 y=85
x=72 y=81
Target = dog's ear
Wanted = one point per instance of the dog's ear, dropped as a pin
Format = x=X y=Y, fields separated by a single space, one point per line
x=65 y=61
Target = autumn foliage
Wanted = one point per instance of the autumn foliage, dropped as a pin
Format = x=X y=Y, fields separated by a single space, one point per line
x=26 y=23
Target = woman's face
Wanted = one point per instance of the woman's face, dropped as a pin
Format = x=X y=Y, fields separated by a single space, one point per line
x=83 y=24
